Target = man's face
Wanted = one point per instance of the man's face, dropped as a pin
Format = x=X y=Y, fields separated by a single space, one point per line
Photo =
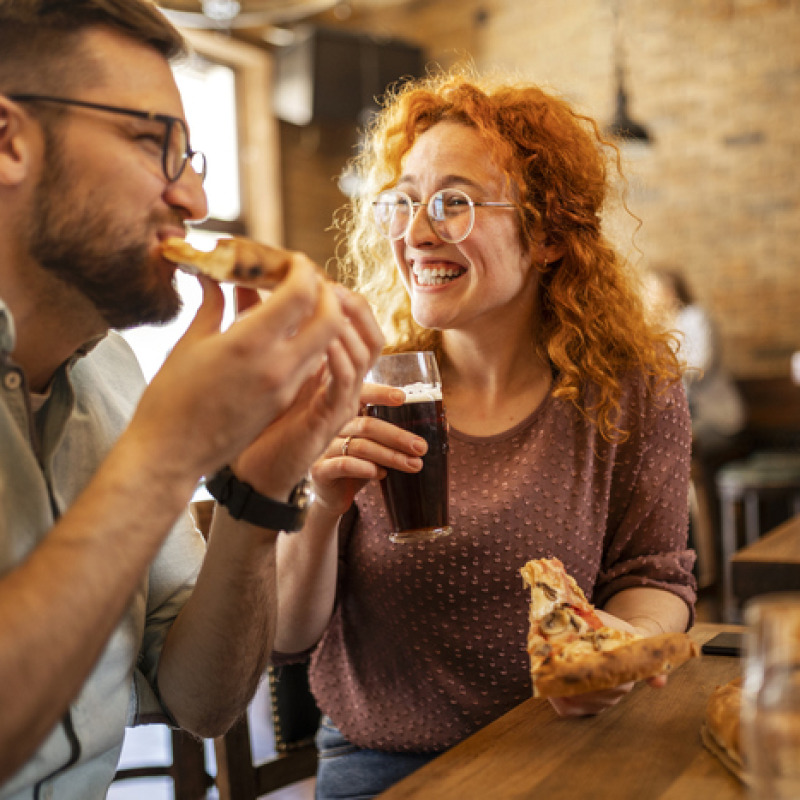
x=102 y=204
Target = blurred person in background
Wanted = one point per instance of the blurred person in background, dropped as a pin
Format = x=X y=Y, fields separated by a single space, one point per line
x=715 y=404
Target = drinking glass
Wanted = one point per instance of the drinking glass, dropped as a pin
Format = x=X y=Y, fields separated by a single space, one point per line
x=771 y=698
x=416 y=503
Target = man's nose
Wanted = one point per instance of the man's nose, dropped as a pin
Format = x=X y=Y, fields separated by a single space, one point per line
x=188 y=193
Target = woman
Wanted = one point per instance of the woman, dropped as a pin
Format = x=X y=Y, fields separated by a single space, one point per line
x=479 y=237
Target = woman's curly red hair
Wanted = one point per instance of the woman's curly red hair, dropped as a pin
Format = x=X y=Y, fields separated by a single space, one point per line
x=591 y=322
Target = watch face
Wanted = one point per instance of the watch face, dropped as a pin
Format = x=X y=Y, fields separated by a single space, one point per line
x=302 y=495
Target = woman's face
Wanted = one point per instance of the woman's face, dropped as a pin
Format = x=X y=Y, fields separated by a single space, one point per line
x=487 y=278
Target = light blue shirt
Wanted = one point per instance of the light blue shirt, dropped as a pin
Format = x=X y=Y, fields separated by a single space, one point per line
x=46 y=459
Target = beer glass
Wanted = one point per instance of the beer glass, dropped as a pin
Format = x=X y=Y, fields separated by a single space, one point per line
x=416 y=503
x=771 y=697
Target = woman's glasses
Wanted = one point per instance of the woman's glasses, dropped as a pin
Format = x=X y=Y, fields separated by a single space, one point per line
x=451 y=213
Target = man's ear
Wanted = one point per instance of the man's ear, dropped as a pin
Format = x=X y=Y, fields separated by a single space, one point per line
x=16 y=146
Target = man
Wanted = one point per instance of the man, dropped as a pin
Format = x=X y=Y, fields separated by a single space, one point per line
x=110 y=607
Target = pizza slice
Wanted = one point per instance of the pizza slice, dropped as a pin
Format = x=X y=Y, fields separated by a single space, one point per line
x=721 y=727
x=235 y=260
x=571 y=650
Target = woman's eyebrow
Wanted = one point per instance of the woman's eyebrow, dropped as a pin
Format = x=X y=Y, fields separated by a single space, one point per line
x=446 y=180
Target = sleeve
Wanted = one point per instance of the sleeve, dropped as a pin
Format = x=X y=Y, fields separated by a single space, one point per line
x=171 y=579
x=646 y=541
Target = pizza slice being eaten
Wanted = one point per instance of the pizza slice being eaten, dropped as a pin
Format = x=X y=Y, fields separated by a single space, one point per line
x=571 y=650
x=235 y=260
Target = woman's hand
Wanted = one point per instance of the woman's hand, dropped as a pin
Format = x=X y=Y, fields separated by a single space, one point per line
x=364 y=449
x=591 y=703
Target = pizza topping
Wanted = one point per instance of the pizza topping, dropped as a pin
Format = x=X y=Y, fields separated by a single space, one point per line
x=557 y=621
x=602 y=641
x=549 y=592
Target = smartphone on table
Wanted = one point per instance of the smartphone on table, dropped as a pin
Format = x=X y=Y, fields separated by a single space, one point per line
x=728 y=643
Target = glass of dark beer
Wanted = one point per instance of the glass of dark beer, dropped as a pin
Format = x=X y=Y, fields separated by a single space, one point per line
x=417 y=503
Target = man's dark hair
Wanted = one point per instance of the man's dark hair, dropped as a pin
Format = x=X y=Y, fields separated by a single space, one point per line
x=39 y=40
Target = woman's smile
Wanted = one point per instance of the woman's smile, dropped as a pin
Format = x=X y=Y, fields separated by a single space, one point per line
x=436 y=273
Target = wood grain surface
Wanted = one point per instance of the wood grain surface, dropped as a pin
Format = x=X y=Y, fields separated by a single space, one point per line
x=648 y=746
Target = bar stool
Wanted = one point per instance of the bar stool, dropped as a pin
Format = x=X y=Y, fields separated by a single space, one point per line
x=763 y=476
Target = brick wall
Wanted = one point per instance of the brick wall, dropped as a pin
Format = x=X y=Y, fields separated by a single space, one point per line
x=717 y=83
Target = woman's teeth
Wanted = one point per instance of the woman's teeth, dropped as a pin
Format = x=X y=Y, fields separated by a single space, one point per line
x=435 y=276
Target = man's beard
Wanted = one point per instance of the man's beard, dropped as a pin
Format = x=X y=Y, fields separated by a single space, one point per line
x=97 y=254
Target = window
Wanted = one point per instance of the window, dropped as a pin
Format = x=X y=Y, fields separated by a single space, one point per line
x=208 y=90
x=225 y=87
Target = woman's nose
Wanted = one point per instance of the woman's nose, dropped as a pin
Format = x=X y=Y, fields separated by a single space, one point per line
x=420 y=229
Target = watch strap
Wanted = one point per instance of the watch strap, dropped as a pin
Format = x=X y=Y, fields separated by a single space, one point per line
x=245 y=503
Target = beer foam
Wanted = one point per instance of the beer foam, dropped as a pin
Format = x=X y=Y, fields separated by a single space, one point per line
x=421 y=392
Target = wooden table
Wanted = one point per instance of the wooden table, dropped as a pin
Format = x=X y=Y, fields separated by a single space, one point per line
x=648 y=746
x=772 y=564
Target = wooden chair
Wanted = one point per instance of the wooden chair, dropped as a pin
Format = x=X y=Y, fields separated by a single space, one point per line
x=295 y=718
x=745 y=487
x=190 y=778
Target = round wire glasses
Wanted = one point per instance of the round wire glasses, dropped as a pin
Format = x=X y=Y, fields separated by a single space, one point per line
x=451 y=213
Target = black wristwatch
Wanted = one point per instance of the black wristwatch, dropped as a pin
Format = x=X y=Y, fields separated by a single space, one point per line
x=245 y=503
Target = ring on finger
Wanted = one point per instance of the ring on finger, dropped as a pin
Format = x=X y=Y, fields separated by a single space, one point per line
x=346 y=445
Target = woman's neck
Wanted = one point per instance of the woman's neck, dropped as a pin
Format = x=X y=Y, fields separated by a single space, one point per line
x=490 y=386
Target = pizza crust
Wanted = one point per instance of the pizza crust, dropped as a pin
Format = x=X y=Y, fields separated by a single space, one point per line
x=577 y=670
x=235 y=260
x=721 y=728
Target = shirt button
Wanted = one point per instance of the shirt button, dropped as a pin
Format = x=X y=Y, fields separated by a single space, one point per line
x=12 y=380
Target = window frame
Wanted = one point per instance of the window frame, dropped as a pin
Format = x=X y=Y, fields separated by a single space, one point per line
x=258 y=132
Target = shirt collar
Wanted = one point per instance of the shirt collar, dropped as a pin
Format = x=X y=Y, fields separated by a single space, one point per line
x=8 y=336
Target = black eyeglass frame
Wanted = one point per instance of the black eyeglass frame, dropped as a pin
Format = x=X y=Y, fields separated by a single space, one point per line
x=429 y=207
x=168 y=120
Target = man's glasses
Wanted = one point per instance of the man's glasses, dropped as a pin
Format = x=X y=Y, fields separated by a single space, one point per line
x=451 y=213
x=176 y=152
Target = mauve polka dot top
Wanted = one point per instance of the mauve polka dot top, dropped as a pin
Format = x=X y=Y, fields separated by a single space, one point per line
x=427 y=641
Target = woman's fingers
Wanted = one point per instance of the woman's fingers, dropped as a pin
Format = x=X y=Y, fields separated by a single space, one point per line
x=380 y=442
x=590 y=703
x=355 y=447
x=377 y=394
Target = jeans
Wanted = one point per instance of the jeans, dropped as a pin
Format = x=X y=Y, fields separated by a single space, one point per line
x=347 y=772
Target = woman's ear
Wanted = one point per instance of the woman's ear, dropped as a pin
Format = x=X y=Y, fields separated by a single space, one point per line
x=16 y=149
x=547 y=253
x=552 y=252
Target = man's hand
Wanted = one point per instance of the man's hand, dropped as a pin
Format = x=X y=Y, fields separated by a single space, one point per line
x=315 y=366
x=217 y=391
x=285 y=450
